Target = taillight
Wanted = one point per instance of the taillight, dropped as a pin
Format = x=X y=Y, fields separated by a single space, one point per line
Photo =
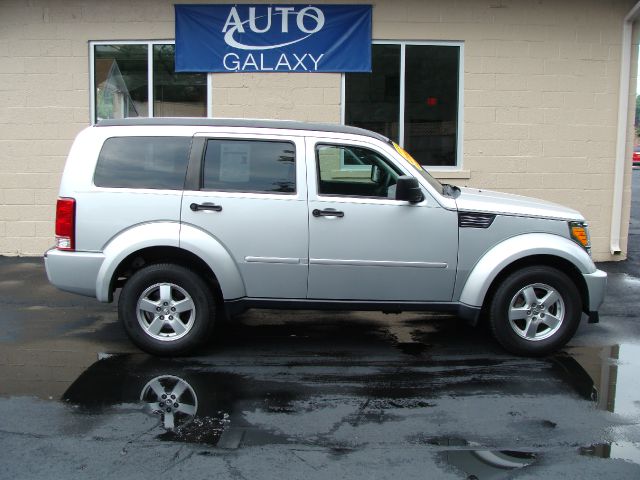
x=66 y=224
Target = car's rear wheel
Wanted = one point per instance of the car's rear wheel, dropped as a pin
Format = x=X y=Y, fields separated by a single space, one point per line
x=166 y=309
x=535 y=311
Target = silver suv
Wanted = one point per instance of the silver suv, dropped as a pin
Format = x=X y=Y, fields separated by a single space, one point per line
x=194 y=219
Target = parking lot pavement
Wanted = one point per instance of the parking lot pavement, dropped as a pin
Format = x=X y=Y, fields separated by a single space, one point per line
x=314 y=394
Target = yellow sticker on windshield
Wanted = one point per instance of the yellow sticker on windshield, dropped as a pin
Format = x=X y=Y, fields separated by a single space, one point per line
x=407 y=156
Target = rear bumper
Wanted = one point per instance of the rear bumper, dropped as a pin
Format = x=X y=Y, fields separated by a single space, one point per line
x=74 y=272
x=596 y=286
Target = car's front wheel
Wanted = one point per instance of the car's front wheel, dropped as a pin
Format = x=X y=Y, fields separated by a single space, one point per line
x=166 y=309
x=535 y=311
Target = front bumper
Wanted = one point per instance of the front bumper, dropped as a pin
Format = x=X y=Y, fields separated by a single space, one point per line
x=596 y=286
x=75 y=272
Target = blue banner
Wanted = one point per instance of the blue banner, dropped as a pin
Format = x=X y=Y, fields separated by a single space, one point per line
x=273 y=38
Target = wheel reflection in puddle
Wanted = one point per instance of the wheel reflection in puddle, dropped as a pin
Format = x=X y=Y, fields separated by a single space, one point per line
x=172 y=399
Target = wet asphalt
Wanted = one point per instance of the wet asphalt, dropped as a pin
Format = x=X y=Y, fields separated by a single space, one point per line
x=314 y=394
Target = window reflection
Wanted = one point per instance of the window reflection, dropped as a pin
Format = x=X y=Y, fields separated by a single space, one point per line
x=431 y=86
x=431 y=103
x=372 y=99
x=176 y=94
x=121 y=85
x=122 y=78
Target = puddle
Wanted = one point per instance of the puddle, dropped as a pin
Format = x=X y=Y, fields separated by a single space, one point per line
x=488 y=464
x=614 y=371
x=412 y=348
x=345 y=386
x=627 y=451
x=241 y=399
x=478 y=463
x=249 y=400
x=630 y=280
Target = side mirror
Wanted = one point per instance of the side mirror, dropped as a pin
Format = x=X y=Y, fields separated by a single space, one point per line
x=408 y=189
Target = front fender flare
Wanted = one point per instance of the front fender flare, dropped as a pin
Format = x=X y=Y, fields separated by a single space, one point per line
x=513 y=249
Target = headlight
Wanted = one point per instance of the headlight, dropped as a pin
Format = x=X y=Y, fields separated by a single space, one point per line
x=579 y=232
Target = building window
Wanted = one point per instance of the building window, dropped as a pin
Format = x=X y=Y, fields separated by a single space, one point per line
x=413 y=96
x=125 y=75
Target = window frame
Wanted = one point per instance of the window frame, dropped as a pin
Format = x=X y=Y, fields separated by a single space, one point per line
x=149 y=44
x=401 y=125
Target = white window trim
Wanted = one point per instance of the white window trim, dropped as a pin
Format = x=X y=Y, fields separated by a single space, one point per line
x=149 y=44
x=460 y=123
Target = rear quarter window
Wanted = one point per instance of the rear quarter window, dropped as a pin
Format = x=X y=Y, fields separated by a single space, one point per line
x=143 y=162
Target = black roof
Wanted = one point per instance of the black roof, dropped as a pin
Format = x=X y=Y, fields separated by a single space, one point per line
x=242 y=122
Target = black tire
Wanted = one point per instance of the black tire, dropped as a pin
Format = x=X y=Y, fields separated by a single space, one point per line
x=538 y=325
x=161 y=328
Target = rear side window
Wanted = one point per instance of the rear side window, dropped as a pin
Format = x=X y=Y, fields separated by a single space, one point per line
x=250 y=166
x=143 y=162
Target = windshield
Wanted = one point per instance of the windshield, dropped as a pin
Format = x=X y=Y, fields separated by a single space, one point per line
x=432 y=181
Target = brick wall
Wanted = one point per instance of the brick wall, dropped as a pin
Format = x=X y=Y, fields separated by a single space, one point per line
x=540 y=96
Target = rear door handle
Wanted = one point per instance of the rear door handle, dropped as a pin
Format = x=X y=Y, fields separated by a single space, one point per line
x=329 y=212
x=205 y=206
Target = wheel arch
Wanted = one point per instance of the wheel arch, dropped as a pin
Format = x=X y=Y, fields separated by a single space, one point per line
x=164 y=242
x=164 y=254
x=521 y=251
x=552 y=261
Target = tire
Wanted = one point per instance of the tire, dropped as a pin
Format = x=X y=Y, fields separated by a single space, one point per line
x=535 y=311
x=167 y=310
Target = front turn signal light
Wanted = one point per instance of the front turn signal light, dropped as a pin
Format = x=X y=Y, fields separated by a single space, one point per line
x=580 y=235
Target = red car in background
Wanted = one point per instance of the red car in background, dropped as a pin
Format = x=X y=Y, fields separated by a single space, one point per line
x=636 y=156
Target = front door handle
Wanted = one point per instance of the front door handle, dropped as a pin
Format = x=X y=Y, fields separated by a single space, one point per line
x=329 y=212
x=205 y=206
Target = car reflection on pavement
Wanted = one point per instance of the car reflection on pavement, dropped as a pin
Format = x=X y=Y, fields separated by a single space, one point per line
x=233 y=406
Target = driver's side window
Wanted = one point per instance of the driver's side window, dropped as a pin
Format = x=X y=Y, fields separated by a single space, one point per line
x=346 y=170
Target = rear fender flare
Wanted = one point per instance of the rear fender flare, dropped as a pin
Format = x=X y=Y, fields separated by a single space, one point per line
x=129 y=241
x=219 y=259
x=170 y=234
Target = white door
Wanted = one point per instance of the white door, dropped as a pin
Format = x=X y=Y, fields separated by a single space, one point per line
x=364 y=244
x=253 y=200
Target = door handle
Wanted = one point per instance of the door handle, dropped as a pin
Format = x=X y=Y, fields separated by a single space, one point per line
x=329 y=212
x=205 y=206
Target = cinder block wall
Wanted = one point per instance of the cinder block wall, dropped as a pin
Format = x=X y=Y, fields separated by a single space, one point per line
x=540 y=96
x=300 y=96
